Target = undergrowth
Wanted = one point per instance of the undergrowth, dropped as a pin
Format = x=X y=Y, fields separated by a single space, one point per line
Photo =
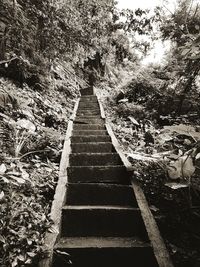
x=32 y=131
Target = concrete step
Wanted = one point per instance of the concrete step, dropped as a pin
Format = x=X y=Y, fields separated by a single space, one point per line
x=86 y=91
x=88 y=103
x=92 y=147
x=101 y=242
x=89 y=119
x=88 y=116
x=94 y=159
x=85 y=105
x=88 y=110
x=105 y=252
x=95 y=119
x=88 y=113
x=88 y=97
x=89 y=132
x=90 y=138
x=98 y=174
x=88 y=127
x=102 y=221
x=100 y=194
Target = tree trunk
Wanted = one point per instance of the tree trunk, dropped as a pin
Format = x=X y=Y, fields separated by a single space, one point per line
x=193 y=69
x=14 y=8
x=2 y=40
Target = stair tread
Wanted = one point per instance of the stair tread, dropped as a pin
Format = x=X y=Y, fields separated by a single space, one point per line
x=102 y=184
x=101 y=220
x=91 y=135
x=101 y=242
x=88 y=96
x=98 y=207
x=89 y=138
x=82 y=122
x=77 y=123
x=96 y=153
x=103 y=167
x=81 y=126
x=88 y=119
x=88 y=108
x=94 y=143
x=95 y=194
x=96 y=131
x=90 y=131
x=88 y=104
x=93 y=125
x=112 y=174
x=92 y=147
x=88 y=116
x=90 y=159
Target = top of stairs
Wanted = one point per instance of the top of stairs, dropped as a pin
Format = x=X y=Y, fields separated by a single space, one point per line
x=87 y=91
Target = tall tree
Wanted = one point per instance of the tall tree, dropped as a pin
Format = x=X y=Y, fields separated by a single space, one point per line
x=183 y=27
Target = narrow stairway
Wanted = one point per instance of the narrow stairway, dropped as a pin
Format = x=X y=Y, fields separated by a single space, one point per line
x=101 y=224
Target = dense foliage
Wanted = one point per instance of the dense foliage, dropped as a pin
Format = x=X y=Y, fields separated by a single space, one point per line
x=31 y=137
x=38 y=33
x=58 y=46
x=183 y=28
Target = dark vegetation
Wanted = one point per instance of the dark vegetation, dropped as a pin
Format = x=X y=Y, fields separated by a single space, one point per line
x=155 y=114
x=51 y=49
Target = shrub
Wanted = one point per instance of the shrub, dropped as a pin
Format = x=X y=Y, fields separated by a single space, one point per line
x=131 y=109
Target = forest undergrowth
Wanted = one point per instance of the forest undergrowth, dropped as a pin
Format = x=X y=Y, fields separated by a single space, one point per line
x=32 y=131
x=164 y=149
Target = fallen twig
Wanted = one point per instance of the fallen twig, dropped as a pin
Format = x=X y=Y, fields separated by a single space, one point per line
x=29 y=153
x=33 y=152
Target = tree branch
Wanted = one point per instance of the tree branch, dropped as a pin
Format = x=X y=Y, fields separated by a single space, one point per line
x=178 y=25
x=8 y=61
x=187 y=15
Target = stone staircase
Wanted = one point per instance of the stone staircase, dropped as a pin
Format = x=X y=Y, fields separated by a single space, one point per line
x=101 y=223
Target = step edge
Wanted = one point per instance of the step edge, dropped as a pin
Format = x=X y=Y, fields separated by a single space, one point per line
x=100 y=207
x=101 y=184
x=98 y=166
x=101 y=166
x=93 y=143
x=88 y=136
x=95 y=153
x=118 y=242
